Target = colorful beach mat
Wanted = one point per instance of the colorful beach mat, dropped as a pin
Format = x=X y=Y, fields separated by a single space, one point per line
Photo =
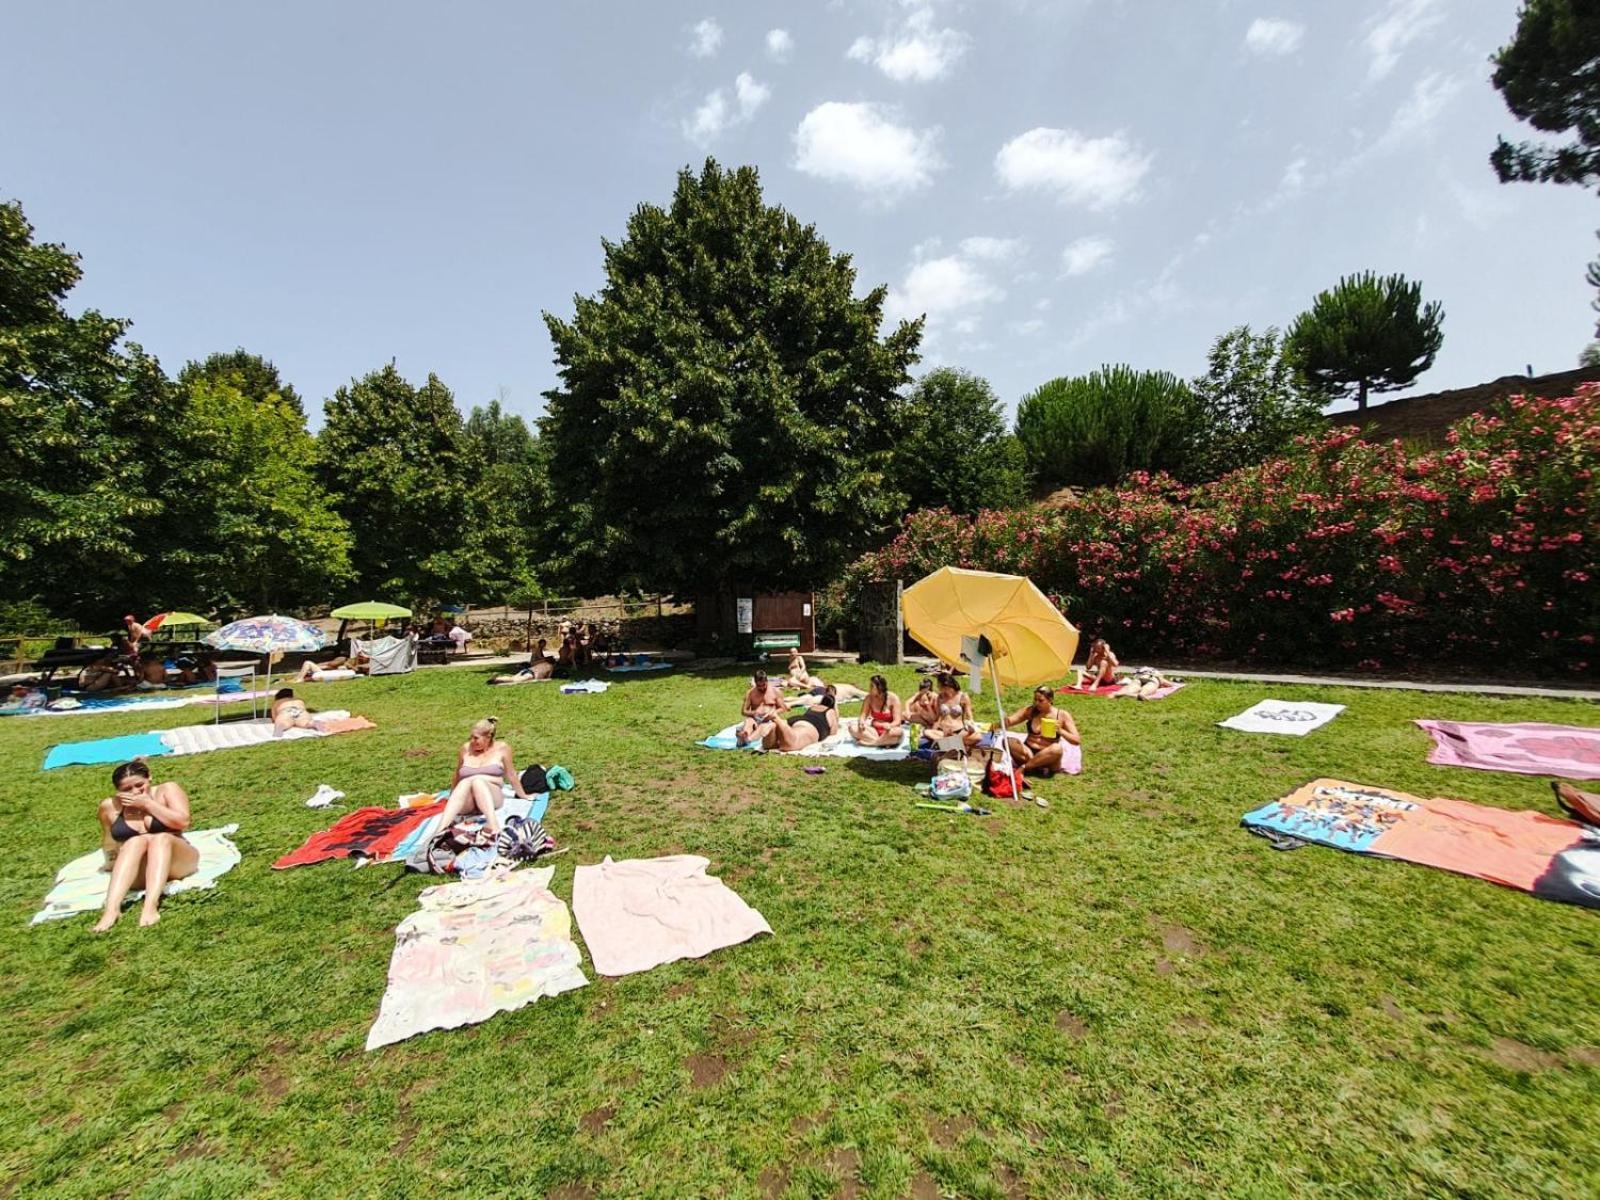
x=81 y=884
x=477 y=948
x=391 y=834
x=194 y=739
x=1530 y=748
x=1548 y=857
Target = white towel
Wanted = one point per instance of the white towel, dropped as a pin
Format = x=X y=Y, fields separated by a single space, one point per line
x=1295 y=718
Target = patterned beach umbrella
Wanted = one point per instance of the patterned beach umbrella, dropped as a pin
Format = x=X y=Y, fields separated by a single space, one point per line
x=267 y=635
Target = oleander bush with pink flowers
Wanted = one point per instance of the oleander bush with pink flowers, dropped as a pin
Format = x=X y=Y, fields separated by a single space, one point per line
x=1340 y=552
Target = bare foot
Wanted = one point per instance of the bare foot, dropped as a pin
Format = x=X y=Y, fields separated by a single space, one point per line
x=148 y=917
x=106 y=922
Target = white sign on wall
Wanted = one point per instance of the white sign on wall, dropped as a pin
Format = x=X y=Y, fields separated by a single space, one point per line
x=746 y=614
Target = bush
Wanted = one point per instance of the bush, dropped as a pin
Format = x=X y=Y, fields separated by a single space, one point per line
x=1094 y=429
x=1339 y=552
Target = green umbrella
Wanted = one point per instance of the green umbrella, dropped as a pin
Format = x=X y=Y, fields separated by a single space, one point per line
x=370 y=610
x=186 y=620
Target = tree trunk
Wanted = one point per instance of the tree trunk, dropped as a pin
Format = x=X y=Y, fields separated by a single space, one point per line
x=1361 y=397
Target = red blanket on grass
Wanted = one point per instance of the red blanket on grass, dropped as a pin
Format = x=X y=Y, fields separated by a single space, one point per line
x=369 y=832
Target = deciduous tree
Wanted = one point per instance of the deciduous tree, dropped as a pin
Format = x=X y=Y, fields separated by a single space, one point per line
x=954 y=450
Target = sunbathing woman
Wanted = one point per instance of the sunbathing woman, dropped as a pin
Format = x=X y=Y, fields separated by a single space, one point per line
x=819 y=721
x=882 y=720
x=762 y=703
x=1048 y=730
x=1098 y=668
x=482 y=765
x=800 y=678
x=141 y=831
x=289 y=712
x=924 y=707
x=540 y=666
x=1143 y=684
x=954 y=713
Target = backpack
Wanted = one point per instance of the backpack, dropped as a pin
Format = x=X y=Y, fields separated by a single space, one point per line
x=534 y=781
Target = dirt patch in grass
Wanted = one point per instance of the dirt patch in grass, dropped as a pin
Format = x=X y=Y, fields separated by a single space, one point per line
x=947 y=1131
x=1114 y=1108
x=706 y=1069
x=417 y=752
x=773 y=1181
x=571 y=1191
x=274 y=1083
x=196 y=1147
x=845 y=1164
x=1010 y=1183
x=726 y=1034
x=596 y=1119
x=408 y=1134
x=1179 y=939
x=678 y=989
x=1071 y=1024
x=1163 y=966
x=1588 y=1056
x=923 y=1187
x=1519 y=1056
x=1192 y=1023
x=1390 y=1008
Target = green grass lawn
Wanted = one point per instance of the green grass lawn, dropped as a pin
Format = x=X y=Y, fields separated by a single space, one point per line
x=1123 y=996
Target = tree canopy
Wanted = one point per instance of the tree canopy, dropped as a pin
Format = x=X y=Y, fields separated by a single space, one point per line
x=954 y=450
x=728 y=408
x=1251 y=404
x=1368 y=334
x=1096 y=428
x=1549 y=76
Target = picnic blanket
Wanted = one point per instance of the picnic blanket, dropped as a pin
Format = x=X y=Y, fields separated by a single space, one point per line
x=194 y=739
x=1548 y=857
x=643 y=912
x=840 y=745
x=81 y=884
x=390 y=834
x=1528 y=748
x=1296 y=718
x=476 y=948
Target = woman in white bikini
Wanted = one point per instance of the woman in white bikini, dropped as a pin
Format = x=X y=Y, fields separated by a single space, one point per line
x=954 y=713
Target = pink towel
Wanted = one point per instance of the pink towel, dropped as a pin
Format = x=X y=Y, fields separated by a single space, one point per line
x=642 y=912
x=1530 y=748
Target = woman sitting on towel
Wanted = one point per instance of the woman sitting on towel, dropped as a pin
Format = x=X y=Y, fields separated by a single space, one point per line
x=1047 y=732
x=1143 y=684
x=924 y=706
x=800 y=677
x=882 y=720
x=817 y=723
x=1099 y=668
x=141 y=831
x=953 y=714
x=482 y=765
x=289 y=712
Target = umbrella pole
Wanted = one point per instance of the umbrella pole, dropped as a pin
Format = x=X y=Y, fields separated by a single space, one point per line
x=1000 y=703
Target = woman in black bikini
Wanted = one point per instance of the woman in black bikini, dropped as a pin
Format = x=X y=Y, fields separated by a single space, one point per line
x=1048 y=729
x=141 y=829
x=819 y=721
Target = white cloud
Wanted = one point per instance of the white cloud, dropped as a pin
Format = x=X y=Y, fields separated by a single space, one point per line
x=1085 y=254
x=1096 y=172
x=1430 y=96
x=1273 y=36
x=1028 y=328
x=945 y=290
x=751 y=95
x=863 y=145
x=717 y=114
x=916 y=53
x=993 y=249
x=1403 y=23
x=779 y=45
x=705 y=39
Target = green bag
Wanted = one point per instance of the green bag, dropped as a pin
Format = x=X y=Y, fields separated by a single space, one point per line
x=559 y=779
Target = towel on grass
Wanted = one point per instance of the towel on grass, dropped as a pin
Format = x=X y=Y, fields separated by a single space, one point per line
x=88 y=705
x=1548 y=857
x=840 y=745
x=193 y=739
x=1527 y=748
x=726 y=739
x=370 y=832
x=532 y=808
x=587 y=686
x=650 y=666
x=643 y=912
x=81 y=884
x=1281 y=716
x=476 y=948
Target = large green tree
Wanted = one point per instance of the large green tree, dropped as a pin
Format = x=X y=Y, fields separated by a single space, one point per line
x=1549 y=75
x=1094 y=429
x=248 y=374
x=1251 y=404
x=954 y=450
x=509 y=499
x=246 y=525
x=82 y=415
x=728 y=406
x=392 y=457
x=1371 y=333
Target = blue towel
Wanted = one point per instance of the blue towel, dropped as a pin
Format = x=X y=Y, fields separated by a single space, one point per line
x=105 y=750
x=537 y=806
x=727 y=740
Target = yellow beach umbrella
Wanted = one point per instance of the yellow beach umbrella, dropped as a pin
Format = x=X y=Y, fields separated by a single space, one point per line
x=1031 y=642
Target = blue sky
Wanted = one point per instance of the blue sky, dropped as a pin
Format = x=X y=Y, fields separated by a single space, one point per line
x=1057 y=183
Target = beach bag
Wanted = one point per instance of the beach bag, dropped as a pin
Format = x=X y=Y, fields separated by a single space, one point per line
x=951 y=785
x=534 y=781
x=559 y=779
x=1001 y=783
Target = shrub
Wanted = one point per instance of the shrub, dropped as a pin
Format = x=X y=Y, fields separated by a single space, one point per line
x=1339 y=552
x=1094 y=429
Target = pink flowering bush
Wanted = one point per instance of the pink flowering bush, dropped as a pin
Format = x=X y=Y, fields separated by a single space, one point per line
x=1340 y=552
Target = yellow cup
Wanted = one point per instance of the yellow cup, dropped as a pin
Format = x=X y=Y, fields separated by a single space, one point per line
x=1048 y=728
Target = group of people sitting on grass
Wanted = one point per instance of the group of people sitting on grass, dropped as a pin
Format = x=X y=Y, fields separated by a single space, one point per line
x=582 y=648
